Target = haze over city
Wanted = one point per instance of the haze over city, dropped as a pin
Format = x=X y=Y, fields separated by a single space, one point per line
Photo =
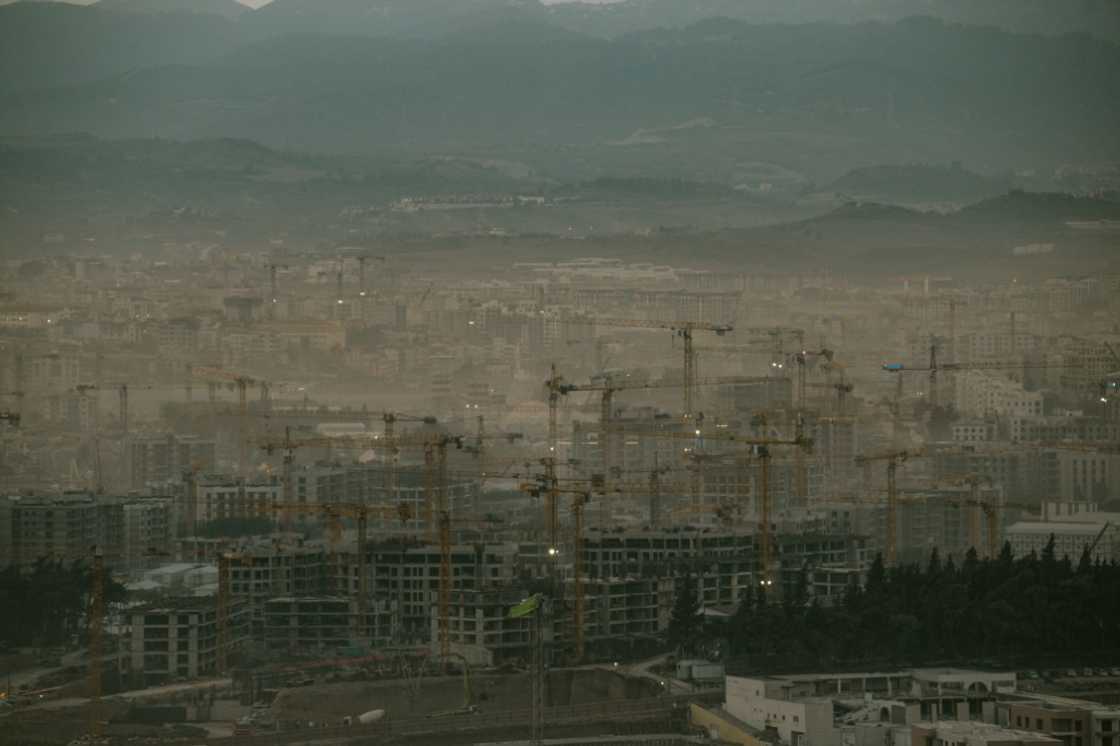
x=514 y=372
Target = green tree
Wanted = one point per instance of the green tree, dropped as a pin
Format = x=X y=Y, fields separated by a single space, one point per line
x=685 y=623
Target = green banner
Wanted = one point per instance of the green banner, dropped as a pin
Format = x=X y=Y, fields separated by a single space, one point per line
x=526 y=607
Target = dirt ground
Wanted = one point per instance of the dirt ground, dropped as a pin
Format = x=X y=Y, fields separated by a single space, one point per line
x=332 y=702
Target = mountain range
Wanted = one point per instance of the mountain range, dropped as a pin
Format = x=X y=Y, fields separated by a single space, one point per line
x=432 y=17
x=817 y=99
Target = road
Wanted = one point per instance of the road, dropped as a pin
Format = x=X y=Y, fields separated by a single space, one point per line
x=29 y=676
x=643 y=669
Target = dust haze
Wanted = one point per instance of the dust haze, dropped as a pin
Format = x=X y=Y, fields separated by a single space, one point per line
x=504 y=371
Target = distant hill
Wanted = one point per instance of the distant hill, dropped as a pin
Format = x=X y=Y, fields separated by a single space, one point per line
x=226 y=8
x=915 y=90
x=1097 y=17
x=1015 y=208
x=57 y=44
x=1032 y=208
x=388 y=18
x=917 y=184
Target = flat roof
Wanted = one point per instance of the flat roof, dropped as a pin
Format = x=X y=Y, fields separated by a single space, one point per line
x=977 y=728
x=1063 y=527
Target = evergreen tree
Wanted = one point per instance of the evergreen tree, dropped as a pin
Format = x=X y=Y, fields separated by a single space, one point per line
x=685 y=623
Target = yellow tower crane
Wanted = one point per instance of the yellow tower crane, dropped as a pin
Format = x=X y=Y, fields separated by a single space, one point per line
x=242 y=382
x=360 y=513
x=684 y=330
x=763 y=446
x=892 y=459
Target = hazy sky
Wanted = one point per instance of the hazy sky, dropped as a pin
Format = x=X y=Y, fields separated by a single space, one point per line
x=259 y=3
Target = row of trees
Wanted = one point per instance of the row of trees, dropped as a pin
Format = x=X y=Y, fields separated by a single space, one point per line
x=1033 y=610
x=49 y=604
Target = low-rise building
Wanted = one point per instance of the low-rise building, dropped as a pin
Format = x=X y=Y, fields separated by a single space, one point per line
x=1070 y=539
x=951 y=733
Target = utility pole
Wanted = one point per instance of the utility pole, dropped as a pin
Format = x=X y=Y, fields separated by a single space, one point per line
x=96 y=630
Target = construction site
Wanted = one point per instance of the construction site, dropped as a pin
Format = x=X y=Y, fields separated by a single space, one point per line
x=413 y=508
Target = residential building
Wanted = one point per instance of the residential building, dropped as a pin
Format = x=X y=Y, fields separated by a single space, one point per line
x=728 y=558
x=179 y=639
x=409 y=574
x=130 y=532
x=307 y=624
x=159 y=459
x=214 y=497
x=1070 y=539
x=983 y=394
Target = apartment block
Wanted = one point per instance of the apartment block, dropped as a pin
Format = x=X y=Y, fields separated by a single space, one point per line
x=179 y=639
x=130 y=532
x=727 y=558
x=981 y=394
x=479 y=627
x=324 y=623
x=214 y=497
x=409 y=574
x=159 y=459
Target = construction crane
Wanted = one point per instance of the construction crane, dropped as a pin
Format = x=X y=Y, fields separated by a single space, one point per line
x=274 y=296
x=222 y=611
x=1100 y=535
x=122 y=394
x=684 y=330
x=892 y=459
x=608 y=388
x=435 y=452
x=96 y=633
x=535 y=607
x=763 y=446
x=581 y=496
x=975 y=506
x=392 y=460
x=842 y=390
x=361 y=513
x=723 y=512
x=242 y=382
x=362 y=259
x=990 y=508
x=801 y=360
x=443 y=622
x=934 y=366
x=437 y=508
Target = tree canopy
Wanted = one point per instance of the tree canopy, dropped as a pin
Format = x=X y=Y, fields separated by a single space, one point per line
x=1006 y=611
x=685 y=624
x=49 y=604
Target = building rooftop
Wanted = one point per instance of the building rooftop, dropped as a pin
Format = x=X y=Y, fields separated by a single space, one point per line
x=1069 y=528
x=963 y=729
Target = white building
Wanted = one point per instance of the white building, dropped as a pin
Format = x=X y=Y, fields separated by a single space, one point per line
x=1070 y=539
x=760 y=703
x=982 y=394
